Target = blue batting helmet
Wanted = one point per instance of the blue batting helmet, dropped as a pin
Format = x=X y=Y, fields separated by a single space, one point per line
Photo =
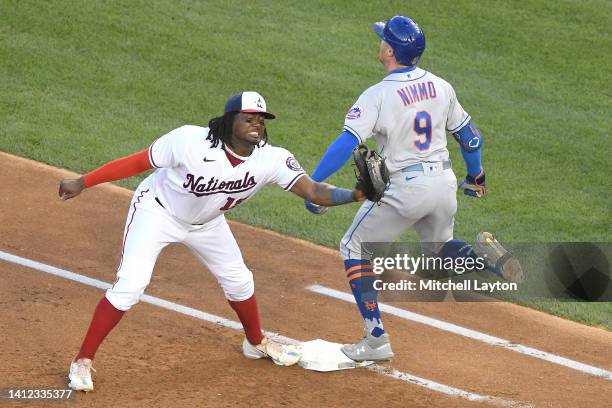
x=404 y=36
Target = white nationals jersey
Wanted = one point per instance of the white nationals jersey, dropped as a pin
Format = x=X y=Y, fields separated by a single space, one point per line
x=408 y=113
x=196 y=183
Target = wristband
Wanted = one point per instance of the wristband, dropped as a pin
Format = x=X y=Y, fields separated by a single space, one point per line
x=341 y=196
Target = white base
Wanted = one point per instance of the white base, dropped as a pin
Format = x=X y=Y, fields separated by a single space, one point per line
x=321 y=355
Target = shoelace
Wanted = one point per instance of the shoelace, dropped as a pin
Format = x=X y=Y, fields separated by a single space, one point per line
x=272 y=348
x=83 y=369
x=277 y=350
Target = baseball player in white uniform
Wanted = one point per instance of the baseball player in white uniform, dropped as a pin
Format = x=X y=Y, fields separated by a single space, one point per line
x=408 y=113
x=201 y=172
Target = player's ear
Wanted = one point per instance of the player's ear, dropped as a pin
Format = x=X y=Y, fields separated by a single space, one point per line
x=387 y=50
x=390 y=52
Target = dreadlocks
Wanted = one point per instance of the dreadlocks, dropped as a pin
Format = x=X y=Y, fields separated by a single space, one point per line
x=221 y=130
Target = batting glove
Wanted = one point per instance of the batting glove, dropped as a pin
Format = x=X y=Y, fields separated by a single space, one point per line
x=474 y=186
x=314 y=208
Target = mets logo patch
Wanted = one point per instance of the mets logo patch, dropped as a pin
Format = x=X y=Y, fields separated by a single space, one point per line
x=293 y=164
x=355 y=112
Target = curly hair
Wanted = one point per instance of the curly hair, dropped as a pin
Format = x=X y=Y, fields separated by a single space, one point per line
x=220 y=130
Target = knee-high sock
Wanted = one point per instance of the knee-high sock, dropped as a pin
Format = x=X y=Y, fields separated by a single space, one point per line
x=105 y=317
x=456 y=248
x=361 y=280
x=249 y=317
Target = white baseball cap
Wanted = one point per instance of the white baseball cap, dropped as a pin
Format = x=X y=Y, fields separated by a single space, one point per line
x=248 y=102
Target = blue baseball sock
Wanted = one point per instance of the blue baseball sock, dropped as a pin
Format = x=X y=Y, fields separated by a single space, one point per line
x=361 y=280
x=456 y=248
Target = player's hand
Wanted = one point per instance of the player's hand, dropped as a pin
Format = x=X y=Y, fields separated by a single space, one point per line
x=358 y=195
x=314 y=208
x=70 y=188
x=474 y=186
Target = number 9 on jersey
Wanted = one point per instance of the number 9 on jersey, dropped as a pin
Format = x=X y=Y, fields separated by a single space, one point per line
x=422 y=127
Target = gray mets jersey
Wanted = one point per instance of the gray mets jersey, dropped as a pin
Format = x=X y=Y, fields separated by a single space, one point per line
x=408 y=113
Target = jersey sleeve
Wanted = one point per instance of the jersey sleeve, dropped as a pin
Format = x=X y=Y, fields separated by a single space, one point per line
x=167 y=151
x=361 y=118
x=457 y=117
x=288 y=171
x=119 y=169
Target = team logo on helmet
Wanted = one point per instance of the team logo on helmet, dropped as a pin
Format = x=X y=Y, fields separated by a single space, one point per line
x=355 y=112
x=293 y=164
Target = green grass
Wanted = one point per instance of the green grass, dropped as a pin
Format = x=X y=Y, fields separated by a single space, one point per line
x=83 y=82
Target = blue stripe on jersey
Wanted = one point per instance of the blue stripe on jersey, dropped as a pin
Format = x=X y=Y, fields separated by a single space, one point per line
x=353 y=132
x=406 y=80
x=462 y=124
x=400 y=70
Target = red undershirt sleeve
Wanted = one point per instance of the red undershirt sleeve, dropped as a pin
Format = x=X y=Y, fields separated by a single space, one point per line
x=119 y=169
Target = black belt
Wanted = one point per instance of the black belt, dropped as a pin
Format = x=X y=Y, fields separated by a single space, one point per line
x=162 y=206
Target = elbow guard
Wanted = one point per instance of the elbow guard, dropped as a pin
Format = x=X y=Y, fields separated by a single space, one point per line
x=469 y=137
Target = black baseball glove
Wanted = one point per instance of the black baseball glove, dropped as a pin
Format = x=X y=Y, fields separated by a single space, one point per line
x=372 y=173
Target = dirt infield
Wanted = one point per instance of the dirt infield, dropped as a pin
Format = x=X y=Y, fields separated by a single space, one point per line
x=159 y=358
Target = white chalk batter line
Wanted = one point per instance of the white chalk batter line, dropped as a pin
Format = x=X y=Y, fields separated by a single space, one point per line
x=409 y=378
x=472 y=334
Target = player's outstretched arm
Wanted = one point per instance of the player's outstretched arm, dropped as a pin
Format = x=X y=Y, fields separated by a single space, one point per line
x=115 y=170
x=324 y=194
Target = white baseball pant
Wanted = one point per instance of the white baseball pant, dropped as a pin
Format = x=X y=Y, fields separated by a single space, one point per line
x=149 y=228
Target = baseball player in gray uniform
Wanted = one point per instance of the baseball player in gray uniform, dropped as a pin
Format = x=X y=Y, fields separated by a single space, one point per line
x=408 y=113
x=201 y=173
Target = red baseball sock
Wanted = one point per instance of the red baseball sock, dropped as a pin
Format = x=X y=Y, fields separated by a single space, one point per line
x=249 y=317
x=104 y=319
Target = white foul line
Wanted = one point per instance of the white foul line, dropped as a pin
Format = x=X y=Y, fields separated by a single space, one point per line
x=409 y=378
x=472 y=334
x=445 y=389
